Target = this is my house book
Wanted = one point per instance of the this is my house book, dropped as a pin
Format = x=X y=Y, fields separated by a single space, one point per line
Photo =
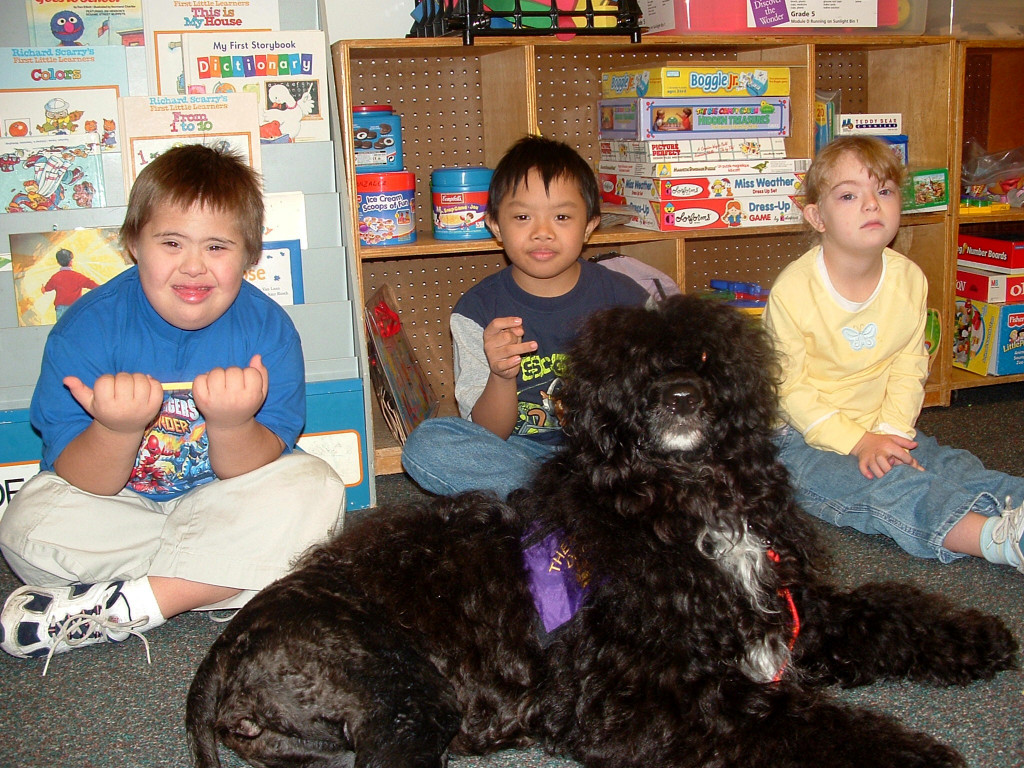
x=164 y=21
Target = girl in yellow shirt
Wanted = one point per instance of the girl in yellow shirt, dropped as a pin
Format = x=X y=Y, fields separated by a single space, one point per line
x=848 y=318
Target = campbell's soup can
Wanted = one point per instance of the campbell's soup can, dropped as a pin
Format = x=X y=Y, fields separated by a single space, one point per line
x=459 y=202
x=387 y=210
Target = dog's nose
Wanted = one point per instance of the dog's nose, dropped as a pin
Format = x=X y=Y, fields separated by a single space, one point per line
x=681 y=395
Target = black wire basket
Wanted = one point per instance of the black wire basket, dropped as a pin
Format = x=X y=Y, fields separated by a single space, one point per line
x=503 y=18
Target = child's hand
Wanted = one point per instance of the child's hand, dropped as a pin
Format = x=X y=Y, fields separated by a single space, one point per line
x=229 y=397
x=125 y=403
x=877 y=454
x=504 y=347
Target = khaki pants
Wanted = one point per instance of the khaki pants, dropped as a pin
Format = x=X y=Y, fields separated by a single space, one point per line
x=242 y=533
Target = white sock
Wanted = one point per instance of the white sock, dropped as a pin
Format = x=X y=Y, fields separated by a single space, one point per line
x=135 y=602
x=1003 y=554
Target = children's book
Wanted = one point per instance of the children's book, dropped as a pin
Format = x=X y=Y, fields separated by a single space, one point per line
x=52 y=270
x=75 y=23
x=164 y=21
x=51 y=173
x=55 y=91
x=278 y=273
x=403 y=391
x=287 y=69
x=153 y=124
x=284 y=217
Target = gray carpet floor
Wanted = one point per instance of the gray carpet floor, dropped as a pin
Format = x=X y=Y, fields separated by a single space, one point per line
x=105 y=706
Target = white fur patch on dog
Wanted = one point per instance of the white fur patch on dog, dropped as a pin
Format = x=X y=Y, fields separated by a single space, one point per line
x=746 y=560
x=681 y=441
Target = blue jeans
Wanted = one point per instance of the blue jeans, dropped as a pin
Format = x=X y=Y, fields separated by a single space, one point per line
x=449 y=455
x=915 y=509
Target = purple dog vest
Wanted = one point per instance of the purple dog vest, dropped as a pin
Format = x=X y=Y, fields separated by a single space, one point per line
x=558 y=579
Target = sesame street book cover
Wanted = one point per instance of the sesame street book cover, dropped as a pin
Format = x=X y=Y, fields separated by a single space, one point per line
x=51 y=173
x=287 y=70
x=73 y=23
x=164 y=21
x=52 y=270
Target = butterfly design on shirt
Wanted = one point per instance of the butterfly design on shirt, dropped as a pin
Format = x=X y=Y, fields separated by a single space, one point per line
x=863 y=339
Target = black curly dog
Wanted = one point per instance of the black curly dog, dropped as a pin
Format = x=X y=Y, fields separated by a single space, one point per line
x=707 y=636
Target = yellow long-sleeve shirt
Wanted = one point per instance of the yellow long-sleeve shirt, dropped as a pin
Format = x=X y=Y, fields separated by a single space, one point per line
x=850 y=368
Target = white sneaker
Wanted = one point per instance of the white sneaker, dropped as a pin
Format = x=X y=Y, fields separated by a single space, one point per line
x=42 y=621
x=1010 y=528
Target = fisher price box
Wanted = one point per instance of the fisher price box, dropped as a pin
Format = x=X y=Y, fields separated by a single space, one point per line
x=988 y=338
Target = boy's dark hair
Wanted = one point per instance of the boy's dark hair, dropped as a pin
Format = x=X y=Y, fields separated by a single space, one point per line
x=209 y=177
x=552 y=160
x=64 y=257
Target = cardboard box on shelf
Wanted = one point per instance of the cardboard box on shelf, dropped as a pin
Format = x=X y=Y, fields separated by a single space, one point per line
x=991 y=287
x=682 y=79
x=998 y=253
x=713 y=213
x=988 y=338
x=693 y=118
x=719 y=149
x=618 y=189
x=926 y=191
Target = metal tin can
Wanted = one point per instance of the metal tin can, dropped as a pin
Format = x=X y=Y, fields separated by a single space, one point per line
x=459 y=202
x=387 y=208
x=377 y=134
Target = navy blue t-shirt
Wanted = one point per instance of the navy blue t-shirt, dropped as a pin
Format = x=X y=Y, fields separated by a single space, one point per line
x=552 y=322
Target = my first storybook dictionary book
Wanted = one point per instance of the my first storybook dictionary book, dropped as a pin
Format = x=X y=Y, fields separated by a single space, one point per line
x=288 y=70
x=164 y=21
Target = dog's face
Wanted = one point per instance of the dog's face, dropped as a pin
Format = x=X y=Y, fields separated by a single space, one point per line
x=677 y=380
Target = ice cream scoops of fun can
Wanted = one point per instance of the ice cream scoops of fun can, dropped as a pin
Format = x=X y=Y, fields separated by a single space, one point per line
x=386 y=208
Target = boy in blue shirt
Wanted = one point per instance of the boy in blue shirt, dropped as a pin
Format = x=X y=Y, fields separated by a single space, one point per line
x=169 y=403
x=510 y=331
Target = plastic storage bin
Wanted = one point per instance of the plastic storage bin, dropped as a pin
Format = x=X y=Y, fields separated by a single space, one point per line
x=973 y=19
x=682 y=17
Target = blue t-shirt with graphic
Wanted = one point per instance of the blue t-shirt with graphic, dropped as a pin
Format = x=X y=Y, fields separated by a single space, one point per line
x=115 y=329
x=552 y=322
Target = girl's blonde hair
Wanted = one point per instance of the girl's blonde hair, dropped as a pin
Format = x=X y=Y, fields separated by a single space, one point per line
x=876 y=155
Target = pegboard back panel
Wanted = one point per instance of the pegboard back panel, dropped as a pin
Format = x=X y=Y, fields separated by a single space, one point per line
x=977 y=85
x=749 y=259
x=439 y=98
x=426 y=289
x=846 y=70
